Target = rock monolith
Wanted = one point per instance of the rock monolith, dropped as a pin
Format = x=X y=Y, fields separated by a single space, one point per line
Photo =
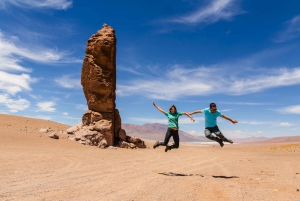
x=101 y=124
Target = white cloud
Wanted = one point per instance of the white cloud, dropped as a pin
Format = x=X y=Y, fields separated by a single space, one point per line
x=44 y=117
x=235 y=133
x=292 y=31
x=183 y=120
x=65 y=113
x=14 y=105
x=46 y=106
x=67 y=82
x=178 y=82
x=255 y=122
x=285 y=124
x=54 y=4
x=294 y=109
x=216 y=11
x=12 y=83
x=12 y=52
x=276 y=78
x=81 y=107
x=244 y=103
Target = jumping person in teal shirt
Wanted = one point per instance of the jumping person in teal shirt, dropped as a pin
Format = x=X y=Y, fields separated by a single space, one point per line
x=173 y=127
x=211 y=127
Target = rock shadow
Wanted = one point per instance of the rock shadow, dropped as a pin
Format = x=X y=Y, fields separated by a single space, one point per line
x=225 y=177
x=178 y=174
x=187 y=175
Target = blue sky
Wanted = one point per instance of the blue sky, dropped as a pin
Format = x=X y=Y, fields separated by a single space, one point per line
x=241 y=54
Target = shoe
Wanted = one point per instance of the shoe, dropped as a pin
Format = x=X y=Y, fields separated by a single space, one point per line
x=167 y=148
x=220 y=142
x=156 y=144
x=230 y=141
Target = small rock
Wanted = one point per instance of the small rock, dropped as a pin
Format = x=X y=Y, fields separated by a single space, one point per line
x=54 y=136
x=44 y=130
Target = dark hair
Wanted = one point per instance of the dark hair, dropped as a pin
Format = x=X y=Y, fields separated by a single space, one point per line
x=212 y=105
x=173 y=106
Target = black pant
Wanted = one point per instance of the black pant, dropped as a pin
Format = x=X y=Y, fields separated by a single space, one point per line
x=209 y=134
x=174 y=133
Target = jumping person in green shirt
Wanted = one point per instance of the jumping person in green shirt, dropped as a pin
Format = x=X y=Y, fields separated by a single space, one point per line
x=211 y=127
x=173 y=127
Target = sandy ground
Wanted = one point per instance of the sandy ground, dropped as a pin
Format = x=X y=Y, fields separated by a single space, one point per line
x=36 y=167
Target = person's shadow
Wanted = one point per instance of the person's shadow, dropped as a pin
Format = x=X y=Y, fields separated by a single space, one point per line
x=184 y=175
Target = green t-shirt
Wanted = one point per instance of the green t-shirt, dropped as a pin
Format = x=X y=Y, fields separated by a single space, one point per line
x=173 y=119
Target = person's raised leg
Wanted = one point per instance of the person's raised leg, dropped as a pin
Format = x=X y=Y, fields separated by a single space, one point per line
x=221 y=136
x=209 y=135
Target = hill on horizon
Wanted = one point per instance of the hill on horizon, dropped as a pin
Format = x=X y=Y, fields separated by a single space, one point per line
x=157 y=131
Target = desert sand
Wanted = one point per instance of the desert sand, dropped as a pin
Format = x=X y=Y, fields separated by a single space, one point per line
x=36 y=167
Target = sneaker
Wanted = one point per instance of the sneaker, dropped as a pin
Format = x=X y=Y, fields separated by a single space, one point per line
x=167 y=148
x=220 y=142
x=230 y=141
x=156 y=144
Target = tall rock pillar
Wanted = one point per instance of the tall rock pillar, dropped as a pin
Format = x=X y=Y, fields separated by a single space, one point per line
x=101 y=124
x=98 y=78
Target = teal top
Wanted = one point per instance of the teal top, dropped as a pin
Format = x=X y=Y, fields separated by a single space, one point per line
x=211 y=118
x=173 y=119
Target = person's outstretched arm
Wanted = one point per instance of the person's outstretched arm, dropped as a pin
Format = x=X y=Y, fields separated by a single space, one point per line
x=195 y=112
x=187 y=114
x=227 y=118
x=159 y=108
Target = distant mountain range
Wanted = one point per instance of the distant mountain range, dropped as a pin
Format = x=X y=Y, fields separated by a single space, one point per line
x=157 y=131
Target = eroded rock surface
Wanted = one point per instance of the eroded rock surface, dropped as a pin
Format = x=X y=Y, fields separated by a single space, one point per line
x=101 y=124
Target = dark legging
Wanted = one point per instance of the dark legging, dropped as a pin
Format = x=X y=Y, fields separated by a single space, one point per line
x=174 y=133
x=218 y=135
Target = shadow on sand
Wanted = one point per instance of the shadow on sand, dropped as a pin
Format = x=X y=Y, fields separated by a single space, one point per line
x=184 y=175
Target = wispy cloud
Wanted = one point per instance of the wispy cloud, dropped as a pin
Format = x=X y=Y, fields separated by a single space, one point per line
x=244 y=103
x=255 y=122
x=179 y=82
x=13 y=83
x=286 y=124
x=130 y=70
x=81 y=107
x=14 y=105
x=53 y=4
x=67 y=82
x=13 y=52
x=294 y=109
x=276 y=78
x=217 y=10
x=182 y=120
x=292 y=30
x=47 y=106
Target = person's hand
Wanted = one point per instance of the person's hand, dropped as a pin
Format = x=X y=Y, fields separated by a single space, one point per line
x=153 y=103
x=192 y=119
x=234 y=121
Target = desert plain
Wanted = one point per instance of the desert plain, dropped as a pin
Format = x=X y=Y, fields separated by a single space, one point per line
x=36 y=167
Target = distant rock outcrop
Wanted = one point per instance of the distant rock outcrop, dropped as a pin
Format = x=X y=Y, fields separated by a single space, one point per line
x=101 y=124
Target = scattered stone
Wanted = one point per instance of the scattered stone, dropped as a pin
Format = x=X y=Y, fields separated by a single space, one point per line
x=54 y=136
x=44 y=130
x=75 y=128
